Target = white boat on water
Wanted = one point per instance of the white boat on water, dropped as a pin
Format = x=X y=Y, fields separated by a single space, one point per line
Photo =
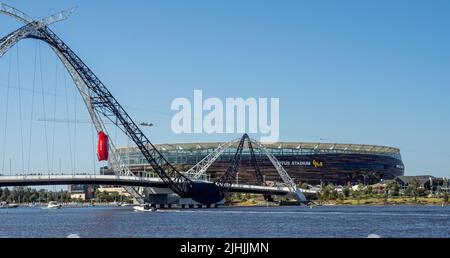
x=54 y=205
x=5 y=205
x=144 y=208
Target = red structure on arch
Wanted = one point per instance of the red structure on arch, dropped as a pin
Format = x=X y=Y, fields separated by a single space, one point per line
x=102 y=146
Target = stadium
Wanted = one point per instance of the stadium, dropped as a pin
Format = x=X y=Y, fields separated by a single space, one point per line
x=311 y=163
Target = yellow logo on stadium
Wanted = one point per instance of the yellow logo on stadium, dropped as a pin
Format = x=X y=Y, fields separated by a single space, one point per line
x=317 y=164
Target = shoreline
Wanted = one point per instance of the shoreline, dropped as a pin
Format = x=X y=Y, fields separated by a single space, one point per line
x=422 y=201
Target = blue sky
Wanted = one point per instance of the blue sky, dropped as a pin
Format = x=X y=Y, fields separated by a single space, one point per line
x=365 y=72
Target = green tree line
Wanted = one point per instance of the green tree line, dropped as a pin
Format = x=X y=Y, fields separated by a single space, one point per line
x=29 y=195
x=393 y=189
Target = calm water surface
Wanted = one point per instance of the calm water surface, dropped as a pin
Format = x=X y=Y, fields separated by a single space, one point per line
x=346 y=221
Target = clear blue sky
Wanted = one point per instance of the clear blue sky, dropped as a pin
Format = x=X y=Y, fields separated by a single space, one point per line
x=370 y=72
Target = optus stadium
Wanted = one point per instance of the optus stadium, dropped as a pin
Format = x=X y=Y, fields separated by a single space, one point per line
x=311 y=163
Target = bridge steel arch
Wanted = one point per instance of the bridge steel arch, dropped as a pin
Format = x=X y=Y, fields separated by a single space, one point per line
x=7 y=42
x=99 y=100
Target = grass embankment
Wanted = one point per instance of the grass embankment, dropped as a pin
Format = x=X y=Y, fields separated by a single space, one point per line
x=257 y=200
x=388 y=201
x=248 y=200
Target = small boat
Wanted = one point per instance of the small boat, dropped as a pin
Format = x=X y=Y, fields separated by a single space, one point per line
x=5 y=205
x=144 y=208
x=54 y=205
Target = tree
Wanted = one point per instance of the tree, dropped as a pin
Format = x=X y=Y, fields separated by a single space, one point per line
x=356 y=194
x=328 y=192
x=361 y=187
x=321 y=196
x=445 y=197
x=385 y=197
x=333 y=195
x=346 y=191
x=393 y=188
x=5 y=195
x=368 y=191
x=34 y=196
x=414 y=189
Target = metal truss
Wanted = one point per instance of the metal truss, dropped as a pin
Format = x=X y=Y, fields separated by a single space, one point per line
x=13 y=12
x=119 y=167
x=99 y=100
x=105 y=104
x=254 y=161
x=283 y=174
x=199 y=169
x=10 y=40
x=230 y=174
x=229 y=177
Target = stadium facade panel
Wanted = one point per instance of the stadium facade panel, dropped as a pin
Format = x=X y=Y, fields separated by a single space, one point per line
x=312 y=163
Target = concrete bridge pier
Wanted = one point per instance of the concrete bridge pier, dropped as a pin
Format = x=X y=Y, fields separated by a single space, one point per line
x=164 y=198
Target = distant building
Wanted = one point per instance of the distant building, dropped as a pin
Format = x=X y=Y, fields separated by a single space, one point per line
x=118 y=190
x=112 y=188
x=427 y=182
x=82 y=192
x=78 y=196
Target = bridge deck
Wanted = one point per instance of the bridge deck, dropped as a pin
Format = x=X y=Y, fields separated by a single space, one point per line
x=32 y=180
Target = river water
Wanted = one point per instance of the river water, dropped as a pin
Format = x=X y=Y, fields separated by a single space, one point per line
x=242 y=222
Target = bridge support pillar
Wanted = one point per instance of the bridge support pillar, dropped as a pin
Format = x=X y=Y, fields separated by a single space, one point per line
x=163 y=198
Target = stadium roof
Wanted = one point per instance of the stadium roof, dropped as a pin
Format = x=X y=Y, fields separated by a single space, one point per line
x=328 y=147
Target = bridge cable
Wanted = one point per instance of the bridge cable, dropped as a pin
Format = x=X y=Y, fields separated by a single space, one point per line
x=68 y=126
x=32 y=108
x=43 y=107
x=93 y=148
x=20 y=108
x=54 y=115
x=7 y=111
x=75 y=127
